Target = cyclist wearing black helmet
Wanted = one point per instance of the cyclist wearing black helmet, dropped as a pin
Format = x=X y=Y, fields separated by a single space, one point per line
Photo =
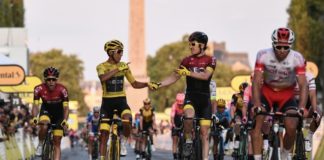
x=198 y=69
x=111 y=74
x=54 y=109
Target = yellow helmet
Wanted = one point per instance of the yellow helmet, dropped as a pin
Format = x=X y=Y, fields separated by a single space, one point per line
x=221 y=103
x=113 y=45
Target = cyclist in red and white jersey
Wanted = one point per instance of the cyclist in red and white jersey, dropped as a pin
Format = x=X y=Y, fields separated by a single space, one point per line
x=310 y=108
x=275 y=74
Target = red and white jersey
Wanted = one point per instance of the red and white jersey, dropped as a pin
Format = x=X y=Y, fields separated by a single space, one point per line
x=310 y=83
x=280 y=74
x=247 y=96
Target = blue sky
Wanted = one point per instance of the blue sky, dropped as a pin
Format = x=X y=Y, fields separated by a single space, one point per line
x=82 y=27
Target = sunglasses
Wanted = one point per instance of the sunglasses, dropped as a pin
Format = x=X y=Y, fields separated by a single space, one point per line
x=119 y=51
x=282 y=47
x=51 y=79
x=193 y=43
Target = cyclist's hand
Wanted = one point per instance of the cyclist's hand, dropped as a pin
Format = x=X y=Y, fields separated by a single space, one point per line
x=153 y=85
x=64 y=124
x=316 y=116
x=34 y=121
x=301 y=111
x=122 y=66
x=183 y=71
x=244 y=120
x=255 y=110
x=215 y=117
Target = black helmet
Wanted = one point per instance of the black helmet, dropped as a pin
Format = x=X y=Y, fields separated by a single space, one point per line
x=243 y=86
x=200 y=37
x=51 y=71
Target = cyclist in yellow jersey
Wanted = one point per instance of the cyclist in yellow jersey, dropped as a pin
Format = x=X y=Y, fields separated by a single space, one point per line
x=111 y=74
x=147 y=123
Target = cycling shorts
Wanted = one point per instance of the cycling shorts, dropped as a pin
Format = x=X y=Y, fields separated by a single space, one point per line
x=283 y=99
x=54 y=114
x=201 y=104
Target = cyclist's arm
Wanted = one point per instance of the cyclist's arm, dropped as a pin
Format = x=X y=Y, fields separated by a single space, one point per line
x=66 y=110
x=35 y=108
x=232 y=107
x=108 y=75
x=36 y=102
x=137 y=84
x=173 y=111
x=312 y=90
x=302 y=82
x=202 y=75
x=256 y=88
x=153 y=123
x=141 y=123
x=170 y=80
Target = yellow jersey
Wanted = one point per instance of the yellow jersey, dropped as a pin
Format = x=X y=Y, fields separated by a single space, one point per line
x=147 y=114
x=114 y=87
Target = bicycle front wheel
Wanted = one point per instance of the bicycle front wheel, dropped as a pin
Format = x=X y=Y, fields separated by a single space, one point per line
x=148 y=149
x=300 y=147
x=114 y=151
x=47 y=152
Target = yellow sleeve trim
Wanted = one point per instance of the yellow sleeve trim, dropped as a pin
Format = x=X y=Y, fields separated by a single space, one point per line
x=36 y=102
x=65 y=104
x=210 y=69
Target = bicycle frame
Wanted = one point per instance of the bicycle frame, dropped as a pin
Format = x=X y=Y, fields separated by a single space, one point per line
x=277 y=118
x=147 y=143
x=48 y=147
x=114 y=146
x=217 y=128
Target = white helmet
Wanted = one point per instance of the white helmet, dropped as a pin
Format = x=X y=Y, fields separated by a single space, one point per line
x=283 y=36
x=96 y=109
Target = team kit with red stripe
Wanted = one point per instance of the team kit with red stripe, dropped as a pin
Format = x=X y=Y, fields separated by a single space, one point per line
x=279 y=78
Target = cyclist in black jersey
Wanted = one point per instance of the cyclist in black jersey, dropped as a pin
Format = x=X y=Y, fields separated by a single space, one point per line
x=54 y=109
x=198 y=69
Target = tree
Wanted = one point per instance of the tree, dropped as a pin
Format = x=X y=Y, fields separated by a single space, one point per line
x=11 y=13
x=166 y=60
x=71 y=72
x=307 y=21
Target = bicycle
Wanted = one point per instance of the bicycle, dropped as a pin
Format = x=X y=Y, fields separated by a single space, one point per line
x=48 y=146
x=95 y=146
x=114 y=143
x=216 y=132
x=181 y=141
x=300 y=151
x=276 y=123
x=196 y=148
x=147 y=143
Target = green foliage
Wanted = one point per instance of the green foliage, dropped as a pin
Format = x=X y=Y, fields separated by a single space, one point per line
x=11 y=13
x=307 y=21
x=71 y=72
x=166 y=60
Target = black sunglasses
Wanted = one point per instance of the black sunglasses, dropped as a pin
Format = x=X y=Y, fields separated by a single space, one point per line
x=193 y=43
x=51 y=79
x=284 y=47
x=119 y=51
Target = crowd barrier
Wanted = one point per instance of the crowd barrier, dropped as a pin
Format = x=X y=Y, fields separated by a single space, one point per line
x=19 y=146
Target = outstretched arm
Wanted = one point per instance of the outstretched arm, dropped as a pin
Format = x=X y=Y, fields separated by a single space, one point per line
x=170 y=80
x=138 y=85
